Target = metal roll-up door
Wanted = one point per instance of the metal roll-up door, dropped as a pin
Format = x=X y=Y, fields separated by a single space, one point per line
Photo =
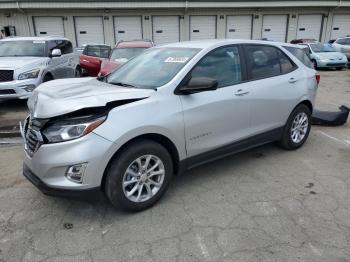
x=275 y=27
x=202 y=27
x=239 y=26
x=89 y=30
x=48 y=25
x=166 y=29
x=127 y=28
x=340 y=26
x=309 y=26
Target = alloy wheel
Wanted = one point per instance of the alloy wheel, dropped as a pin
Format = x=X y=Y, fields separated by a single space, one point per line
x=299 y=128
x=143 y=178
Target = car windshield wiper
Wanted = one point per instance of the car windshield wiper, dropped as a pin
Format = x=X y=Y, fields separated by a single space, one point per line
x=122 y=84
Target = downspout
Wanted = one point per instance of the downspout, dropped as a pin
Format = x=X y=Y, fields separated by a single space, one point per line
x=24 y=13
x=186 y=5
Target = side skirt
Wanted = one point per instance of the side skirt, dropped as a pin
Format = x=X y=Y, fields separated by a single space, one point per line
x=231 y=149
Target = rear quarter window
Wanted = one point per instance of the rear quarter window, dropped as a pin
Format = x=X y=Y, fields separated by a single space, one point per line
x=301 y=54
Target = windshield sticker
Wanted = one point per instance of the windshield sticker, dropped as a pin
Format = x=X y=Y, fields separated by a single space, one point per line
x=176 y=60
x=38 y=42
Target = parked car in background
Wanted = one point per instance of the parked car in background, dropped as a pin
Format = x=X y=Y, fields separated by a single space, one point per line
x=325 y=56
x=92 y=57
x=169 y=109
x=343 y=45
x=26 y=62
x=123 y=52
x=303 y=40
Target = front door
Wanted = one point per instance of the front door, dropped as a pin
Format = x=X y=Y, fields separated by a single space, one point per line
x=217 y=118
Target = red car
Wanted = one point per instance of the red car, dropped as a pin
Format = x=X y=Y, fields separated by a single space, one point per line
x=123 y=51
x=92 y=57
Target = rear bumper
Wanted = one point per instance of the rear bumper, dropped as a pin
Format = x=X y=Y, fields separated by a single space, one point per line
x=68 y=193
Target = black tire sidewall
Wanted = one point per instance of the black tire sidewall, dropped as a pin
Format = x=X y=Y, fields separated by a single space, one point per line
x=287 y=141
x=118 y=166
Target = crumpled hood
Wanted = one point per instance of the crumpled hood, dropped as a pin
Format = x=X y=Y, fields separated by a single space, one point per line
x=59 y=97
x=19 y=62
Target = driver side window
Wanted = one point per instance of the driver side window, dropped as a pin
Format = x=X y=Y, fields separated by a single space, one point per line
x=222 y=64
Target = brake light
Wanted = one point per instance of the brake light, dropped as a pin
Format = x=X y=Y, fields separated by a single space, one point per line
x=318 y=78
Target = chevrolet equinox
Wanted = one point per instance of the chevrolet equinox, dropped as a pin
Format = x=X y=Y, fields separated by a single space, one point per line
x=167 y=110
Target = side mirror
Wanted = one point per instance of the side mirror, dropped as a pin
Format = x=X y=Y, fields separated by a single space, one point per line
x=198 y=84
x=56 y=53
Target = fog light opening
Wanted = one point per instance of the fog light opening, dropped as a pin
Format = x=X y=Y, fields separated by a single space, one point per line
x=75 y=173
x=28 y=88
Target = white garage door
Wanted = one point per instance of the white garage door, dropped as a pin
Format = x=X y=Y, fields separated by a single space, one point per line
x=340 y=26
x=309 y=26
x=202 y=27
x=127 y=28
x=165 y=29
x=45 y=26
x=239 y=26
x=89 y=30
x=275 y=27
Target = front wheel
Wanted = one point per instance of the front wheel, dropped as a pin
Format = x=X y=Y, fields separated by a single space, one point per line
x=139 y=175
x=297 y=128
x=315 y=64
x=77 y=72
x=339 y=68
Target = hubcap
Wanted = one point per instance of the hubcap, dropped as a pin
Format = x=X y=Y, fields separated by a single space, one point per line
x=299 y=127
x=143 y=178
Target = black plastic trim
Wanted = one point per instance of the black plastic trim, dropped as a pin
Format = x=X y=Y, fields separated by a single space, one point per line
x=233 y=148
x=67 y=193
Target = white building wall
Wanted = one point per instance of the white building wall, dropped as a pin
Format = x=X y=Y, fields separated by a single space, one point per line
x=24 y=21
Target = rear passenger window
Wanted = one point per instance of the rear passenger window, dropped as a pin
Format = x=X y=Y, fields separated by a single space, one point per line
x=302 y=54
x=222 y=64
x=267 y=61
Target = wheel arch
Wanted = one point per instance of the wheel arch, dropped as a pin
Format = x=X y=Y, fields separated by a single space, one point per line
x=306 y=103
x=161 y=139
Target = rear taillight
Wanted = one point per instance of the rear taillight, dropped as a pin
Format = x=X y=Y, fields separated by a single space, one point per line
x=318 y=78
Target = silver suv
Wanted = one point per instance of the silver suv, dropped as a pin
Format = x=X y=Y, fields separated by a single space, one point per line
x=26 y=62
x=170 y=109
x=342 y=45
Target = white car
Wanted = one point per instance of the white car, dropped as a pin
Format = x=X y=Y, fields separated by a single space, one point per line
x=26 y=62
x=169 y=109
x=342 y=45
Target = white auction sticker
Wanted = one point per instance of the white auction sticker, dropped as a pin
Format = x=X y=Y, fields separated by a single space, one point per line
x=176 y=60
x=38 y=42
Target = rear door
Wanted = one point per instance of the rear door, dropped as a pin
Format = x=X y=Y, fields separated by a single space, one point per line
x=202 y=27
x=275 y=86
x=275 y=27
x=215 y=119
x=91 y=59
x=166 y=29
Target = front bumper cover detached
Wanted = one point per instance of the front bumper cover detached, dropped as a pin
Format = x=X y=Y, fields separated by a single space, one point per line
x=59 y=192
x=328 y=118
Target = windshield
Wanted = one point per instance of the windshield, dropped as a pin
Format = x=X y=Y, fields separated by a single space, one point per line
x=319 y=48
x=23 y=48
x=125 y=53
x=153 y=68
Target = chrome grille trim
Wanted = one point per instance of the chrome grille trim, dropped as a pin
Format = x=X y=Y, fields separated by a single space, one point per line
x=32 y=136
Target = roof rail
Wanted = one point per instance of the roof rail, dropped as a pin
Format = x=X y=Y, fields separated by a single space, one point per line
x=132 y=40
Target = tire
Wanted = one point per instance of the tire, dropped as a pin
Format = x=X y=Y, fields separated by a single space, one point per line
x=339 y=68
x=125 y=169
x=315 y=64
x=47 y=78
x=289 y=139
x=78 y=72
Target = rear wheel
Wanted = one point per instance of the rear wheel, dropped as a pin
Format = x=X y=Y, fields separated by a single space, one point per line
x=297 y=129
x=78 y=72
x=139 y=176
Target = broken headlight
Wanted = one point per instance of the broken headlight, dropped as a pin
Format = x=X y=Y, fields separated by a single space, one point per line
x=65 y=130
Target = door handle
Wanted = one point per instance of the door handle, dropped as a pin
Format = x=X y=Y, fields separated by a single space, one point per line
x=241 y=92
x=292 y=80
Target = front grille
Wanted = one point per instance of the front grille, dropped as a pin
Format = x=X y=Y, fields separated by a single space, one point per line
x=33 y=138
x=6 y=75
x=7 y=92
